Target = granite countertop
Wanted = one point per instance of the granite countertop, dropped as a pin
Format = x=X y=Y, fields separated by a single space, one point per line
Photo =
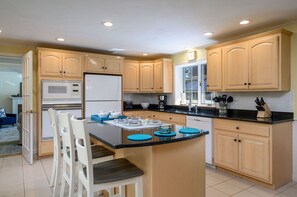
x=232 y=114
x=116 y=137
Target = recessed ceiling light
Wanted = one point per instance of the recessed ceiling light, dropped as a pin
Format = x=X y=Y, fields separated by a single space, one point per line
x=0 y=31
x=61 y=39
x=116 y=49
x=244 y=22
x=107 y=23
x=144 y=54
x=208 y=33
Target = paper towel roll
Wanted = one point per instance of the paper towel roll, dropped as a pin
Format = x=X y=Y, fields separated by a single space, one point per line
x=183 y=100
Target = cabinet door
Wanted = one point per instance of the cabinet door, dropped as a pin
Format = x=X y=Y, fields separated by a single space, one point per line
x=129 y=114
x=158 y=76
x=214 y=70
x=264 y=63
x=235 y=58
x=226 y=149
x=50 y=63
x=131 y=76
x=72 y=65
x=94 y=64
x=113 y=66
x=254 y=156
x=146 y=77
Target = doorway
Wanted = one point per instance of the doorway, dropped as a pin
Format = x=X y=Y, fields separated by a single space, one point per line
x=10 y=105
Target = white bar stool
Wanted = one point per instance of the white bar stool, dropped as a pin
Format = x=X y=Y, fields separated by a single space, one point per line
x=105 y=175
x=57 y=150
x=98 y=153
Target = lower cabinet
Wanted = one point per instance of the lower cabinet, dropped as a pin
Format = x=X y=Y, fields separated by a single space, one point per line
x=257 y=150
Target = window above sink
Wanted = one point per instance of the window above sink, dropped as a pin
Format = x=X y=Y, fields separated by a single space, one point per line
x=190 y=80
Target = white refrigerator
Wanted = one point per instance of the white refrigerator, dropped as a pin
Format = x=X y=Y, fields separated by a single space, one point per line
x=102 y=93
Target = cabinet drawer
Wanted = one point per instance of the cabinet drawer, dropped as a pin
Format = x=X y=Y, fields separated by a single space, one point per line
x=243 y=127
x=174 y=118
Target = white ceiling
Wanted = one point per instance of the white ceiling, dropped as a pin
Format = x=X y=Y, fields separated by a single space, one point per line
x=144 y=26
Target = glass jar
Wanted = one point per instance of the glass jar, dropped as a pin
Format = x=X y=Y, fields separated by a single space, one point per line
x=223 y=108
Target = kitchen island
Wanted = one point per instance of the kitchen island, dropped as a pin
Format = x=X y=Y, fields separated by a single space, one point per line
x=173 y=166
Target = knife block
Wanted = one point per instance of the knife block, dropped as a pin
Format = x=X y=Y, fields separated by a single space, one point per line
x=266 y=113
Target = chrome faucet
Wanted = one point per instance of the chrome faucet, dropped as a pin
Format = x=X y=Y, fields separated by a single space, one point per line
x=190 y=105
x=196 y=109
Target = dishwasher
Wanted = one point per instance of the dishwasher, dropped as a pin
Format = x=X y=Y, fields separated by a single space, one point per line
x=204 y=124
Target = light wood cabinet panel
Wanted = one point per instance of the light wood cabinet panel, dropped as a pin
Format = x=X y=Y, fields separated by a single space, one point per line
x=50 y=63
x=214 y=69
x=163 y=76
x=264 y=151
x=226 y=149
x=131 y=76
x=264 y=63
x=236 y=66
x=146 y=77
x=173 y=118
x=72 y=65
x=113 y=66
x=94 y=63
x=254 y=156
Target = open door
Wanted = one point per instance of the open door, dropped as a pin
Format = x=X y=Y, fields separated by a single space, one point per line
x=27 y=108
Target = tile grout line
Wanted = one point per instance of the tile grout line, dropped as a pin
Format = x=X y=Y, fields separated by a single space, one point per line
x=47 y=178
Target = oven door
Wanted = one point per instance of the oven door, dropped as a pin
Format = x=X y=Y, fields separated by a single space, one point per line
x=46 y=129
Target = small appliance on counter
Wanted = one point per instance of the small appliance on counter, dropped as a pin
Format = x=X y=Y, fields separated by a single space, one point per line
x=162 y=101
x=263 y=109
x=128 y=105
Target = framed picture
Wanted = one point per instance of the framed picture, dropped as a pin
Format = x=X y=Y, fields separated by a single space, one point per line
x=191 y=55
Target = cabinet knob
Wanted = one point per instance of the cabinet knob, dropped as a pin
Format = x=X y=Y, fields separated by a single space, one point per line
x=152 y=88
x=250 y=84
x=170 y=118
x=235 y=140
x=60 y=71
x=207 y=85
x=237 y=127
x=245 y=84
x=239 y=140
x=64 y=72
x=103 y=67
x=160 y=87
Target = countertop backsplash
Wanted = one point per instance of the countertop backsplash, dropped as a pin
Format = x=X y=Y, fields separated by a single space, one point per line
x=277 y=101
x=150 y=98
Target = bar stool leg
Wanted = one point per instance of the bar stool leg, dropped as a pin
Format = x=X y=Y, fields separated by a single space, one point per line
x=122 y=191
x=79 y=189
x=139 y=188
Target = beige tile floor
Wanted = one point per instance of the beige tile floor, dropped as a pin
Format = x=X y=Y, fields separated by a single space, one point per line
x=19 y=179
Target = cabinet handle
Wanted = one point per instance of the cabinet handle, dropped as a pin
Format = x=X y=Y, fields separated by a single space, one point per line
x=207 y=85
x=103 y=67
x=239 y=140
x=170 y=118
x=235 y=140
x=152 y=88
x=237 y=127
x=197 y=120
x=245 y=84
x=250 y=84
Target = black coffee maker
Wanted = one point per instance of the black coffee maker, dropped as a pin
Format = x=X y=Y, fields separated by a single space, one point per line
x=162 y=101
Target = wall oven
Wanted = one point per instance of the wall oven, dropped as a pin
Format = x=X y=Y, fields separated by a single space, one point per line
x=61 y=95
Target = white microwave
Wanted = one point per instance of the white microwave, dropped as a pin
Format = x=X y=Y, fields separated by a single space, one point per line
x=61 y=91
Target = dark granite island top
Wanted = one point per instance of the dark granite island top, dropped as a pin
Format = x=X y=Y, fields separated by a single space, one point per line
x=116 y=137
x=173 y=166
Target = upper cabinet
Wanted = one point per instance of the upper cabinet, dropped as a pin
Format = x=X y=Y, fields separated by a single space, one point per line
x=59 y=64
x=163 y=74
x=236 y=66
x=95 y=63
x=214 y=69
x=131 y=76
x=257 y=63
x=148 y=76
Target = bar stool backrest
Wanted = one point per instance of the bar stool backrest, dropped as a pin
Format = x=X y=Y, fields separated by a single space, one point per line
x=54 y=124
x=83 y=147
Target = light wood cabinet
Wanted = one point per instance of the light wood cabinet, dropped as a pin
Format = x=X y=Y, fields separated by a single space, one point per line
x=163 y=75
x=236 y=66
x=131 y=76
x=257 y=150
x=146 y=77
x=214 y=69
x=256 y=63
x=226 y=149
x=264 y=62
x=254 y=156
x=59 y=64
x=95 y=63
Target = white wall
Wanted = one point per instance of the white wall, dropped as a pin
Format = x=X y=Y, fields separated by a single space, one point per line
x=9 y=85
x=277 y=101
